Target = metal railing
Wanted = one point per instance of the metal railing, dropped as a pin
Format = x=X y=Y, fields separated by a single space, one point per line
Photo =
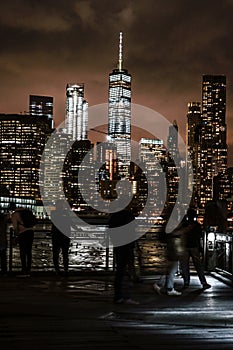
x=86 y=256
x=82 y=255
x=218 y=252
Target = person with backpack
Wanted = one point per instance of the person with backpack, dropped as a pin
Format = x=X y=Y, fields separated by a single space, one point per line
x=23 y=221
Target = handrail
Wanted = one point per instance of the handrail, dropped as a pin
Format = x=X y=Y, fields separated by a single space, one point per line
x=41 y=235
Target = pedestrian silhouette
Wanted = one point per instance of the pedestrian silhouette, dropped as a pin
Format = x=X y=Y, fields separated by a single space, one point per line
x=3 y=243
x=61 y=231
x=24 y=235
x=192 y=239
x=123 y=256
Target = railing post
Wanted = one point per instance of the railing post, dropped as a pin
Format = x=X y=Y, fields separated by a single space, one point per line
x=107 y=259
x=11 y=249
x=205 y=250
x=232 y=253
x=107 y=251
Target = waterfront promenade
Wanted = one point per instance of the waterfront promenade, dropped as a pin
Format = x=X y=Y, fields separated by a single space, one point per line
x=49 y=312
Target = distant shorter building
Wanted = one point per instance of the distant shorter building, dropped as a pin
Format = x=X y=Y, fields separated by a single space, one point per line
x=106 y=155
x=6 y=201
x=52 y=167
x=41 y=106
x=76 y=112
x=152 y=156
x=75 y=191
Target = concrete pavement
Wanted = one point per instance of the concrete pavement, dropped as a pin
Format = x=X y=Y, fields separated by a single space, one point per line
x=48 y=312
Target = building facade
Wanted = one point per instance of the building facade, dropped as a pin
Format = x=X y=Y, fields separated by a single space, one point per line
x=52 y=166
x=152 y=157
x=213 y=153
x=193 y=141
x=172 y=167
x=22 y=141
x=75 y=191
x=41 y=106
x=76 y=112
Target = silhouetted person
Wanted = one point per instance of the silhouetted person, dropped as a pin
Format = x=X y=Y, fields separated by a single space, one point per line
x=216 y=215
x=3 y=243
x=124 y=257
x=61 y=230
x=25 y=236
x=193 y=235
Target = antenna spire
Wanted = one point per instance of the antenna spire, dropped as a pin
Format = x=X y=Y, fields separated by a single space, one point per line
x=120 y=62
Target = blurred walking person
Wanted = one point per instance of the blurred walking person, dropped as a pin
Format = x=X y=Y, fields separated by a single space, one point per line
x=174 y=251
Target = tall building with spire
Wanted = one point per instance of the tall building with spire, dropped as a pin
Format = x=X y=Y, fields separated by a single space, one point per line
x=119 y=112
x=76 y=112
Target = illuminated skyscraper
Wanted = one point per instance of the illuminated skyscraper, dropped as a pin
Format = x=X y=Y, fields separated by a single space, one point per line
x=76 y=112
x=173 y=163
x=53 y=175
x=22 y=140
x=152 y=154
x=119 y=113
x=74 y=190
x=213 y=161
x=41 y=105
x=172 y=140
x=106 y=154
x=193 y=131
x=193 y=134
x=107 y=173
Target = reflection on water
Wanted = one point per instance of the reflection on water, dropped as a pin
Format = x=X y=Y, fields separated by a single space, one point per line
x=87 y=252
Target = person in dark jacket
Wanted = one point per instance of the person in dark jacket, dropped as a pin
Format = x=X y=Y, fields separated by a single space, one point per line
x=61 y=231
x=124 y=257
x=3 y=243
x=192 y=240
x=25 y=237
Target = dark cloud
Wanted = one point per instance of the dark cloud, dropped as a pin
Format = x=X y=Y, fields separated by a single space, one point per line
x=35 y=16
x=168 y=46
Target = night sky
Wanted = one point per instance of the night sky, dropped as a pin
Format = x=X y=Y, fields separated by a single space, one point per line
x=168 y=46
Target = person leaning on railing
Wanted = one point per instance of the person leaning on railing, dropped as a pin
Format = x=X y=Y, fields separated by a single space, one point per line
x=25 y=237
x=3 y=243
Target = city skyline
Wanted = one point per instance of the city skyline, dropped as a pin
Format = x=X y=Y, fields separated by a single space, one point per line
x=167 y=50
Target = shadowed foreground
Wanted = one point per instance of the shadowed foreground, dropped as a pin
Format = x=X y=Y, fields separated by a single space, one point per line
x=48 y=312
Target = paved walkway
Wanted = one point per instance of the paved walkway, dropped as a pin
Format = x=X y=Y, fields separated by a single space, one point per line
x=47 y=312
